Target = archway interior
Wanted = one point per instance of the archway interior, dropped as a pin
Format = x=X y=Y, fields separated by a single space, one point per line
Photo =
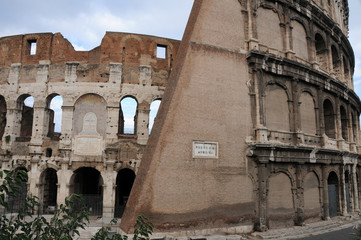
x=89 y=183
x=18 y=200
x=3 y=111
x=125 y=180
x=333 y=194
x=50 y=190
x=329 y=119
x=27 y=117
x=347 y=190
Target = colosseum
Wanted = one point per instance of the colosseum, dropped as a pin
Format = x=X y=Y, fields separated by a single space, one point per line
x=258 y=126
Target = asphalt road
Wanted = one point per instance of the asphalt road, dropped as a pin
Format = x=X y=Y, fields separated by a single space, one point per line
x=345 y=234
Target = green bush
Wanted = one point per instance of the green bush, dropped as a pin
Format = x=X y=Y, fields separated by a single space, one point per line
x=67 y=219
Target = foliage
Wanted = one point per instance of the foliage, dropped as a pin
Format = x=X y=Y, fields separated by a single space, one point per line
x=143 y=229
x=64 y=225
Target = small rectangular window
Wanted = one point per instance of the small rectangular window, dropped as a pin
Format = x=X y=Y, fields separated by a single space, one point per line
x=32 y=46
x=161 y=51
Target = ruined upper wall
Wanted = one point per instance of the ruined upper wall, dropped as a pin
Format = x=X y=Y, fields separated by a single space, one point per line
x=131 y=50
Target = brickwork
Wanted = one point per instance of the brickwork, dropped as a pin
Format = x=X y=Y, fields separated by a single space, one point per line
x=258 y=126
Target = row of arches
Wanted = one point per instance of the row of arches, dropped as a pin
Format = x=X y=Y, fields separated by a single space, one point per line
x=128 y=110
x=313 y=118
x=86 y=181
x=309 y=45
x=282 y=200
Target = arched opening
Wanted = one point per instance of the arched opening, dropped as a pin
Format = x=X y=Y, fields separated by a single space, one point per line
x=16 y=202
x=346 y=70
x=321 y=52
x=268 y=29
x=307 y=114
x=344 y=123
x=49 y=180
x=312 y=205
x=347 y=191
x=333 y=206
x=54 y=114
x=299 y=39
x=3 y=111
x=125 y=180
x=280 y=201
x=128 y=116
x=329 y=119
x=88 y=182
x=336 y=61
x=276 y=108
x=26 y=104
x=354 y=128
x=154 y=106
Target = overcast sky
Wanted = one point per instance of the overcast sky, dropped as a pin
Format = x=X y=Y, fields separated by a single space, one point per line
x=84 y=23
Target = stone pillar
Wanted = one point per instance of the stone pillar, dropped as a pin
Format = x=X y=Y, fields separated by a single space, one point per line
x=261 y=130
x=13 y=115
x=112 y=122
x=343 y=203
x=64 y=177
x=14 y=77
x=145 y=75
x=143 y=126
x=326 y=213
x=261 y=223
x=355 y=188
x=34 y=177
x=300 y=214
x=66 y=127
x=40 y=127
x=109 y=176
x=115 y=77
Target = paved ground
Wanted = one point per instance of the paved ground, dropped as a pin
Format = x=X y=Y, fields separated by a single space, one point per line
x=344 y=234
x=339 y=228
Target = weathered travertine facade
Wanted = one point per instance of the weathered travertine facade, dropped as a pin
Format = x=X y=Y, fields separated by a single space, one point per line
x=92 y=155
x=258 y=126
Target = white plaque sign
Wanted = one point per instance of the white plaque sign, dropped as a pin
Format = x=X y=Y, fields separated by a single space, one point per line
x=203 y=149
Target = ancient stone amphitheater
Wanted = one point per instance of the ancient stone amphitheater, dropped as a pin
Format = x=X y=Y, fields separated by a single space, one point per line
x=258 y=126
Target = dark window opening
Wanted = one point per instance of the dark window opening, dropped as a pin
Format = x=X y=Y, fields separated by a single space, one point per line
x=88 y=182
x=54 y=112
x=321 y=52
x=329 y=118
x=335 y=58
x=354 y=128
x=49 y=152
x=347 y=190
x=125 y=180
x=18 y=200
x=50 y=190
x=333 y=206
x=161 y=51
x=32 y=47
x=344 y=123
x=2 y=116
x=27 y=117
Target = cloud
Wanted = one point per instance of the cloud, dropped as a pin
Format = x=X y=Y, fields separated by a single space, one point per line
x=84 y=23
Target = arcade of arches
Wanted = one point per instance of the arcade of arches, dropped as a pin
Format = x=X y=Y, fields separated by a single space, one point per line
x=88 y=182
